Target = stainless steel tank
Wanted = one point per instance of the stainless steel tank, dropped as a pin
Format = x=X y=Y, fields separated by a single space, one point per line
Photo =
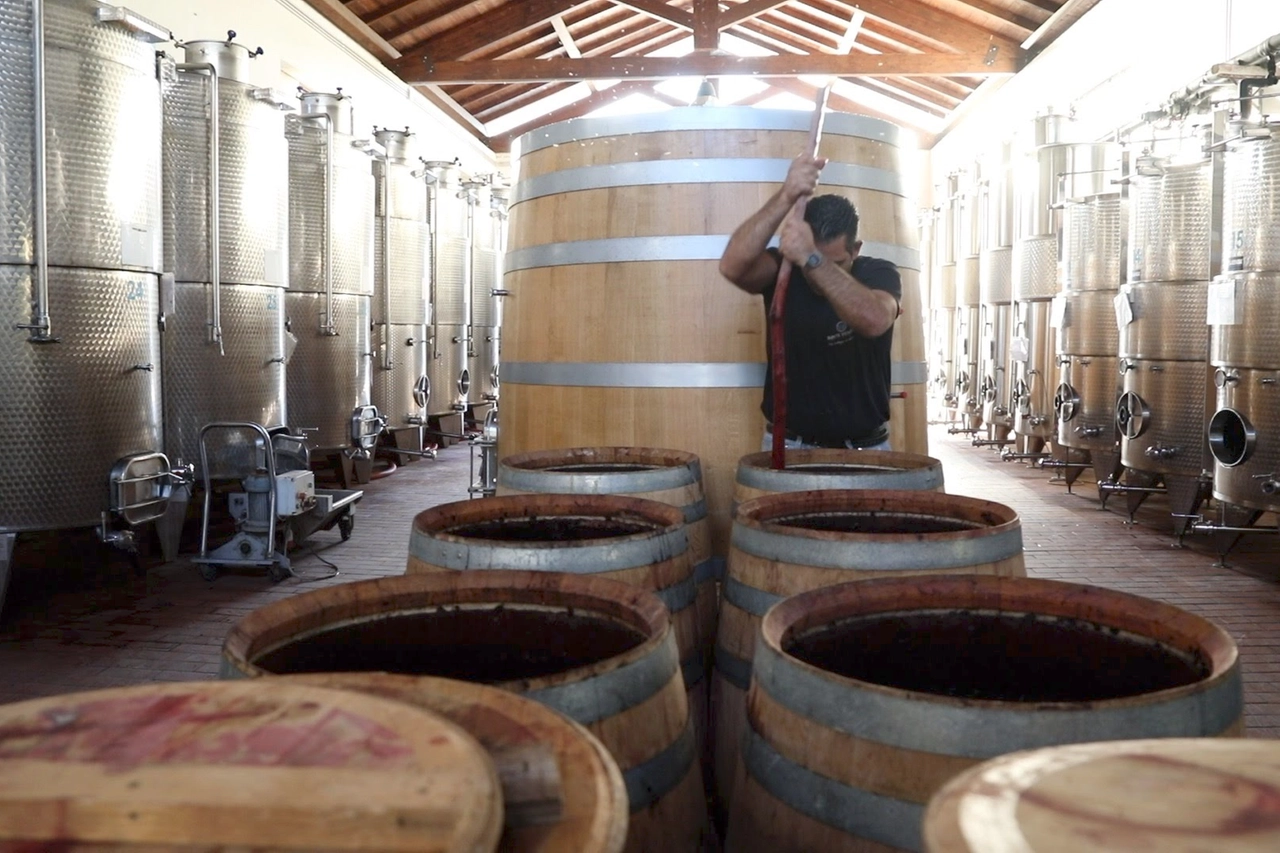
x=488 y=242
x=451 y=205
x=995 y=294
x=226 y=171
x=1167 y=397
x=1040 y=191
x=1244 y=433
x=1089 y=382
x=943 y=307
x=328 y=306
x=402 y=264
x=968 y=306
x=80 y=228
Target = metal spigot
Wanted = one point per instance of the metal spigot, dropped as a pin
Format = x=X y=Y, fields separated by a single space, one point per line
x=1088 y=431
x=1159 y=451
x=1269 y=485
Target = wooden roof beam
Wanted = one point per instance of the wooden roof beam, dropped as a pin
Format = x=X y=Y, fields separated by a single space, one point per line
x=1022 y=22
x=399 y=30
x=662 y=11
x=962 y=35
x=507 y=20
x=661 y=67
x=746 y=11
x=706 y=30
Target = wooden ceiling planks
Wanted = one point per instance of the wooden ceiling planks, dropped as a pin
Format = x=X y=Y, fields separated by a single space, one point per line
x=531 y=48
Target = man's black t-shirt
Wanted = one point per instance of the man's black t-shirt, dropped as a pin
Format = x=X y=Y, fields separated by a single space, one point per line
x=837 y=381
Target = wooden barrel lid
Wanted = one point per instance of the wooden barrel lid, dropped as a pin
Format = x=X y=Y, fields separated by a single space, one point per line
x=579 y=806
x=1174 y=795
x=255 y=764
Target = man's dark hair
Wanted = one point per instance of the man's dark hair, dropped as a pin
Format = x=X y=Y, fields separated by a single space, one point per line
x=832 y=216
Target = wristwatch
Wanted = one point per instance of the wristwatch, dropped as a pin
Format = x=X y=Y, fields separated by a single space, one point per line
x=814 y=261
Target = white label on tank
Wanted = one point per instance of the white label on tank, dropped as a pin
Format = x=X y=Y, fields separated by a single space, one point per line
x=1124 y=309
x=1058 y=318
x=1020 y=349
x=1223 y=308
x=273 y=266
x=137 y=248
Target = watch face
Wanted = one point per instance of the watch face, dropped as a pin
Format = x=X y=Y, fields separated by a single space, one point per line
x=812 y=261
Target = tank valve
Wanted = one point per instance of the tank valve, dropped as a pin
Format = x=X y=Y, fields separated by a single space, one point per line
x=1158 y=451
x=1270 y=485
x=1089 y=431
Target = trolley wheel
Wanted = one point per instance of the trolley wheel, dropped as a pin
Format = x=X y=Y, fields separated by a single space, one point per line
x=346 y=524
x=209 y=572
x=278 y=573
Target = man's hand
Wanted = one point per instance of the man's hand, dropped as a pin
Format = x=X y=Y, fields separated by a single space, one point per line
x=796 y=239
x=802 y=177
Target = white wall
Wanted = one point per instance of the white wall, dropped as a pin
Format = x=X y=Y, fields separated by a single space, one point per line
x=1122 y=57
x=301 y=47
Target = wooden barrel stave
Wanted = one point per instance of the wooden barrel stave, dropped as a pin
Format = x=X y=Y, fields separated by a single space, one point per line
x=633 y=702
x=880 y=752
x=769 y=563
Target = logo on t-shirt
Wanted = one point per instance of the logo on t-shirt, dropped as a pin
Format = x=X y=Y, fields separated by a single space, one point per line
x=842 y=335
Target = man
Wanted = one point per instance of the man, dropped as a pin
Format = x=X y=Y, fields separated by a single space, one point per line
x=840 y=312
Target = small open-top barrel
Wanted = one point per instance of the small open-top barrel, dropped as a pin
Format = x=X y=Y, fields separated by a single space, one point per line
x=238 y=766
x=793 y=542
x=867 y=697
x=810 y=470
x=638 y=541
x=668 y=476
x=599 y=651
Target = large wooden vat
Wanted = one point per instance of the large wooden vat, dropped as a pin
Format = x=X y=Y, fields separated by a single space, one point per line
x=246 y=766
x=867 y=697
x=620 y=330
x=1175 y=795
x=793 y=542
x=599 y=651
x=638 y=541
x=561 y=790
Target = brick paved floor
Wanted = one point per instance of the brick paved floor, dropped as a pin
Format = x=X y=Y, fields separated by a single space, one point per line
x=80 y=618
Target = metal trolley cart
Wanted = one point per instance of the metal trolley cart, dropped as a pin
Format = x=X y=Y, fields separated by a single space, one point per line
x=280 y=505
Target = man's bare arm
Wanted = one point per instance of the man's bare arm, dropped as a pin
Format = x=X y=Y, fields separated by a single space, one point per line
x=746 y=261
x=868 y=311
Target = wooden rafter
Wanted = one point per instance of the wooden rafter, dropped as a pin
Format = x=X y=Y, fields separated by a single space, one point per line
x=706 y=16
x=746 y=11
x=941 y=26
x=662 y=67
x=660 y=10
x=396 y=30
x=508 y=20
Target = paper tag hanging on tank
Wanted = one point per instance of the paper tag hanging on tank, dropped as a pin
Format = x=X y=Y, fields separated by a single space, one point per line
x=777 y=308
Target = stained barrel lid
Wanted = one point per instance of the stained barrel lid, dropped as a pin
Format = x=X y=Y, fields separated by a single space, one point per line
x=1175 y=795
x=562 y=790
x=253 y=764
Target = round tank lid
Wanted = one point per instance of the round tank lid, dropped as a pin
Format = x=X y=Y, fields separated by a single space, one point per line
x=333 y=104
x=396 y=142
x=229 y=58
